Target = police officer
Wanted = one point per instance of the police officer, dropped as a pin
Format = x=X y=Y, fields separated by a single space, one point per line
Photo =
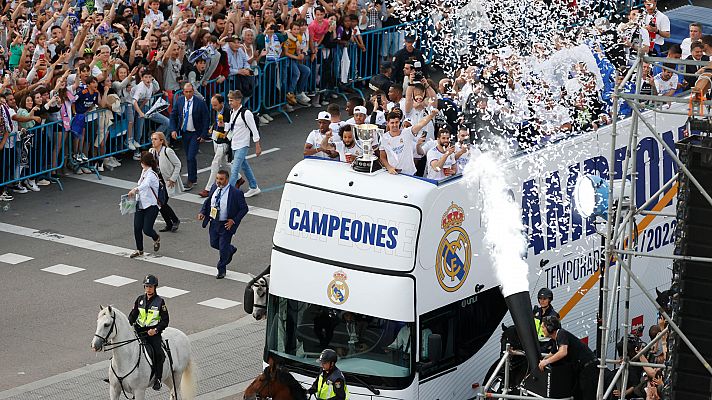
x=574 y=352
x=544 y=309
x=330 y=384
x=150 y=317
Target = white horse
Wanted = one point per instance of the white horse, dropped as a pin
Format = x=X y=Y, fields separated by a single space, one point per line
x=130 y=371
x=260 y=290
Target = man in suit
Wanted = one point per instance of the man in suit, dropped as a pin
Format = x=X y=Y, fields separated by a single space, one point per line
x=190 y=117
x=223 y=209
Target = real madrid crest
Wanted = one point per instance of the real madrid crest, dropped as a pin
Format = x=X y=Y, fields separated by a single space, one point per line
x=338 y=290
x=452 y=260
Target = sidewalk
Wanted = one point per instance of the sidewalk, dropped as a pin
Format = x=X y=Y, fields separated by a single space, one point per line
x=227 y=357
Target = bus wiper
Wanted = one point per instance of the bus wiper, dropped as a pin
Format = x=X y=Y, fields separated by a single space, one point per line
x=364 y=383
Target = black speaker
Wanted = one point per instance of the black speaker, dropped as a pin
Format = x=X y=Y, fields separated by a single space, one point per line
x=686 y=378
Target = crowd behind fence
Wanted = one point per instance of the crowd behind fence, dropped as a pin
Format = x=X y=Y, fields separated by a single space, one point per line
x=39 y=152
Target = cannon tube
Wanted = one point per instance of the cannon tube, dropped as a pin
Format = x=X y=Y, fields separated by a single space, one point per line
x=520 y=307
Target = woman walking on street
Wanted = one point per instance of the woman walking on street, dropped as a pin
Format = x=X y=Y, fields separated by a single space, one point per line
x=146 y=204
x=169 y=166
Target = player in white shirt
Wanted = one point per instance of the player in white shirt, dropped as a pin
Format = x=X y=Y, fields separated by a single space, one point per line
x=397 y=145
x=347 y=146
x=442 y=159
x=312 y=147
x=360 y=114
x=695 y=36
x=657 y=24
x=666 y=82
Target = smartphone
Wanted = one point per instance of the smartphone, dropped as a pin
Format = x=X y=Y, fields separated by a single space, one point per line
x=191 y=20
x=258 y=13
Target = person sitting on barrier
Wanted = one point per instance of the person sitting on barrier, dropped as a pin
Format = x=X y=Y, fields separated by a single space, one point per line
x=298 y=71
x=576 y=353
x=84 y=125
x=123 y=86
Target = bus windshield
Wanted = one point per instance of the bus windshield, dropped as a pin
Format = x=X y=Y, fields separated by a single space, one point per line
x=376 y=349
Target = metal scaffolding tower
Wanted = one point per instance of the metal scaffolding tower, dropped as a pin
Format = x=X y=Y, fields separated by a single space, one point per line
x=621 y=231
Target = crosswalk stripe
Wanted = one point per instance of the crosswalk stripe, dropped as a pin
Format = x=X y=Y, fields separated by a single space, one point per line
x=189 y=197
x=120 y=251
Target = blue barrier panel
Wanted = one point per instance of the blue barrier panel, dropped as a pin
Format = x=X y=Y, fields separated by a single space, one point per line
x=33 y=153
x=272 y=85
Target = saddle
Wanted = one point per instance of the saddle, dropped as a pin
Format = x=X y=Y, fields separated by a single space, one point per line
x=151 y=356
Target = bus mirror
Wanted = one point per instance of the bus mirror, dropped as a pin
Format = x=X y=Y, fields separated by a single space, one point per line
x=435 y=347
x=248 y=300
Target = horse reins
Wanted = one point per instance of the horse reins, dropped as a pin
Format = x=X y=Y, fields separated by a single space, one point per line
x=116 y=345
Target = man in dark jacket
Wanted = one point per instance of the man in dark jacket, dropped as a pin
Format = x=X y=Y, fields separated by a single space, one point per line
x=330 y=384
x=150 y=318
x=224 y=208
x=408 y=52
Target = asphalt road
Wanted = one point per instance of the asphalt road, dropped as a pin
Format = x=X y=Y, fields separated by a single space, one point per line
x=48 y=318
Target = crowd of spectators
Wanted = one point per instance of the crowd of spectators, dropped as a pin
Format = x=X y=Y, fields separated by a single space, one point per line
x=66 y=61
x=525 y=97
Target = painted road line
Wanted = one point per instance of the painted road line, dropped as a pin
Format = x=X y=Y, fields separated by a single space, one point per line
x=62 y=269
x=14 y=259
x=119 y=251
x=189 y=197
x=104 y=365
x=272 y=150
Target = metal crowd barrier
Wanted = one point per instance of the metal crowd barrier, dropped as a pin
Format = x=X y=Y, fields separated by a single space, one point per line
x=33 y=153
x=107 y=133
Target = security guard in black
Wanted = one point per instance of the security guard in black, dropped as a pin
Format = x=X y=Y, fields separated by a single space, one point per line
x=149 y=317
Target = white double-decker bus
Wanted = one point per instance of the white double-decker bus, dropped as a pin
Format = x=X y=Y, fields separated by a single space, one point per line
x=390 y=271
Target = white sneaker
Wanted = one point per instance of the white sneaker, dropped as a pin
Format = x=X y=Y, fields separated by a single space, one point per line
x=100 y=166
x=79 y=171
x=111 y=162
x=32 y=185
x=253 y=192
x=269 y=117
x=137 y=156
x=137 y=144
x=19 y=188
x=86 y=170
x=334 y=96
x=6 y=196
x=303 y=98
x=83 y=158
x=288 y=108
x=263 y=120
x=43 y=182
x=132 y=146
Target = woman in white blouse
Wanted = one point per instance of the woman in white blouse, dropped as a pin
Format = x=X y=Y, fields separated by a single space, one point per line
x=169 y=164
x=146 y=204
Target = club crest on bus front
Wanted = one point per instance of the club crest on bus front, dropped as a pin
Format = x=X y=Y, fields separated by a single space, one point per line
x=452 y=261
x=338 y=290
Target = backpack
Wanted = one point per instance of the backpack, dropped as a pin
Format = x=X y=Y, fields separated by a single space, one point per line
x=242 y=112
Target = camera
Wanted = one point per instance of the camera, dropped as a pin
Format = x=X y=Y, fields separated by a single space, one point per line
x=418 y=67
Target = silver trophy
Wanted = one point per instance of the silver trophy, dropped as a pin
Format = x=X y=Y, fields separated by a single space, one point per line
x=367 y=135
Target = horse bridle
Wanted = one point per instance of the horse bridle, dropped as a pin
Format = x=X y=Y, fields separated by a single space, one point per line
x=116 y=345
x=266 y=383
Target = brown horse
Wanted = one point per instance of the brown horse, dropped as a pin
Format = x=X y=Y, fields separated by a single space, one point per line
x=275 y=383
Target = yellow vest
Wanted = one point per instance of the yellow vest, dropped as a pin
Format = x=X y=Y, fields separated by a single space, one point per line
x=326 y=391
x=149 y=316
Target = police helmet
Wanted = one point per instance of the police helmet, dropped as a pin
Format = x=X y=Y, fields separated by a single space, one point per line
x=150 y=280
x=545 y=293
x=551 y=323
x=328 y=355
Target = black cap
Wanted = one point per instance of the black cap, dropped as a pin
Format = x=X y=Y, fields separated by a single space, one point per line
x=328 y=355
x=410 y=38
x=150 y=280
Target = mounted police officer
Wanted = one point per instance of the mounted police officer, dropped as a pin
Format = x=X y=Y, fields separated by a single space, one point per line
x=150 y=317
x=330 y=384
